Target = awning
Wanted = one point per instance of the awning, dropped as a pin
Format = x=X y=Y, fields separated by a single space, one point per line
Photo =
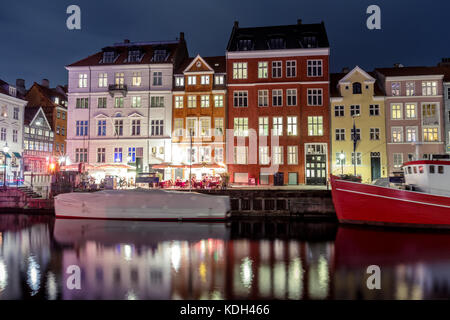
x=6 y=154
x=18 y=156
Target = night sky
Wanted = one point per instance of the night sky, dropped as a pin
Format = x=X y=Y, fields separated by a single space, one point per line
x=37 y=44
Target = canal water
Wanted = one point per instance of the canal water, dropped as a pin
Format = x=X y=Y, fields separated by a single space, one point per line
x=243 y=259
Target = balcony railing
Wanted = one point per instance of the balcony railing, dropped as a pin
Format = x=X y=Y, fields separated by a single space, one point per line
x=122 y=88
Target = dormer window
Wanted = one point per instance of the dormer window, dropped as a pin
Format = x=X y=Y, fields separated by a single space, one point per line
x=159 y=55
x=357 y=88
x=108 y=56
x=179 y=81
x=277 y=43
x=309 y=42
x=56 y=100
x=245 y=44
x=134 y=56
x=12 y=91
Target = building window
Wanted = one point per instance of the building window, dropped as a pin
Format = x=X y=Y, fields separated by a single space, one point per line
x=118 y=127
x=264 y=155
x=263 y=98
x=277 y=97
x=131 y=154
x=178 y=102
x=292 y=153
x=136 y=79
x=191 y=127
x=219 y=80
x=374 y=133
x=398 y=160
x=314 y=97
x=178 y=127
x=117 y=154
x=191 y=155
x=80 y=155
x=430 y=114
x=204 y=101
x=357 y=88
x=397 y=134
x=64 y=114
x=135 y=102
x=192 y=101
x=358 y=158
x=411 y=134
x=16 y=114
x=410 y=89
x=263 y=124
x=192 y=80
x=102 y=80
x=448 y=93
x=395 y=87
x=135 y=127
x=157 y=78
x=277 y=128
x=205 y=125
x=81 y=128
x=118 y=102
x=374 y=110
x=159 y=55
x=241 y=127
x=355 y=110
x=292 y=126
x=277 y=155
x=218 y=155
x=119 y=79
x=410 y=111
x=245 y=44
x=218 y=127
x=338 y=111
x=315 y=126
x=101 y=103
x=157 y=127
x=291 y=96
x=240 y=70
x=101 y=128
x=157 y=102
x=204 y=80
x=82 y=103
x=396 y=111
x=430 y=134
x=240 y=99
x=314 y=68
x=82 y=80
x=57 y=130
x=429 y=88
x=204 y=154
x=339 y=161
x=240 y=155
x=340 y=134
x=101 y=155
x=357 y=136
x=15 y=135
x=277 y=69
x=291 y=69
x=179 y=81
x=218 y=101
x=263 y=70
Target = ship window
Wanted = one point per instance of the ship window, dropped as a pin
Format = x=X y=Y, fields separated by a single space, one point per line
x=415 y=169
x=409 y=170
x=431 y=169
x=421 y=169
x=440 y=169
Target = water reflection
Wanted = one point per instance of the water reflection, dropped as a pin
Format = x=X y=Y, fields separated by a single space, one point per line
x=251 y=259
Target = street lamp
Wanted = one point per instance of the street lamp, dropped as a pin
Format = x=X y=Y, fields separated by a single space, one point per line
x=5 y=151
x=341 y=158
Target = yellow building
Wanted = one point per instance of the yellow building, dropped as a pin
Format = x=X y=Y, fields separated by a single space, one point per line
x=356 y=99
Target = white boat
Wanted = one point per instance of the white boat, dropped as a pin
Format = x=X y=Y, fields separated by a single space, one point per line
x=142 y=204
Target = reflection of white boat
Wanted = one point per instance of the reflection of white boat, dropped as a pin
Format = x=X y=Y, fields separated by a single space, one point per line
x=141 y=204
x=111 y=232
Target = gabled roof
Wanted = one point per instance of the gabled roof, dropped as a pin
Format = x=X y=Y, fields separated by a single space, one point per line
x=32 y=112
x=295 y=36
x=335 y=78
x=48 y=93
x=216 y=63
x=357 y=69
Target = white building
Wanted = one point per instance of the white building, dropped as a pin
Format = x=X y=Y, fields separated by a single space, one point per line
x=120 y=107
x=11 y=133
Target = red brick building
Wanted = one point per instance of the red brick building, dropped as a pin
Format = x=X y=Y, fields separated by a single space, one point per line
x=278 y=93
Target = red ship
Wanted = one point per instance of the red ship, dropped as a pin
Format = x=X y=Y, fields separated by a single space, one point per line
x=422 y=201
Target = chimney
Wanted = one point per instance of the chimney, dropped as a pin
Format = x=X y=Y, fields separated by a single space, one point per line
x=45 y=83
x=299 y=21
x=444 y=63
x=236 y=24
x=181 y=36
x=345 y=70
x=126 y=41
x=20 y=85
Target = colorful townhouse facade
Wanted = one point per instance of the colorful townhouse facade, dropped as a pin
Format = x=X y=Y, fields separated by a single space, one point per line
x=54 y=104
x=120 y=108
x=414 y=113
x=12 y=106
x=357 y=102
x=278 y=94
x=199 y=118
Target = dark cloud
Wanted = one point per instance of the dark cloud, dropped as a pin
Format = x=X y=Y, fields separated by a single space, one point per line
x=36 y=43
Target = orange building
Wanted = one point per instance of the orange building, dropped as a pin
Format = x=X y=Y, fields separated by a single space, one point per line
x=199 y=117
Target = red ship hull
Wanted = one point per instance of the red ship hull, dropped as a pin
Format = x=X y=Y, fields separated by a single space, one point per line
x=360 y=203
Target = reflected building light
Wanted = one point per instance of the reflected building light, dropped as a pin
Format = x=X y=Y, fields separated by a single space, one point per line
x=279 y=249
x=131 y=295
x=34 y=275
x=279 y=280
x=202 y=271
x=295 y=279
x=51 y=286
x=3 y=275
x=175 y=256
x=246 y=272
x=1 y=238
x=216 y=295
x=264 y=281
x=318 y=279
x=127 y=252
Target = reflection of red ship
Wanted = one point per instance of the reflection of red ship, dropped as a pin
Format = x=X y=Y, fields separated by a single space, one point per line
x=427 y=206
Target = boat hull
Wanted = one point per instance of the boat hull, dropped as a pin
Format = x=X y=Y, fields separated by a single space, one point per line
x=359 y=203
x=151 y=205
